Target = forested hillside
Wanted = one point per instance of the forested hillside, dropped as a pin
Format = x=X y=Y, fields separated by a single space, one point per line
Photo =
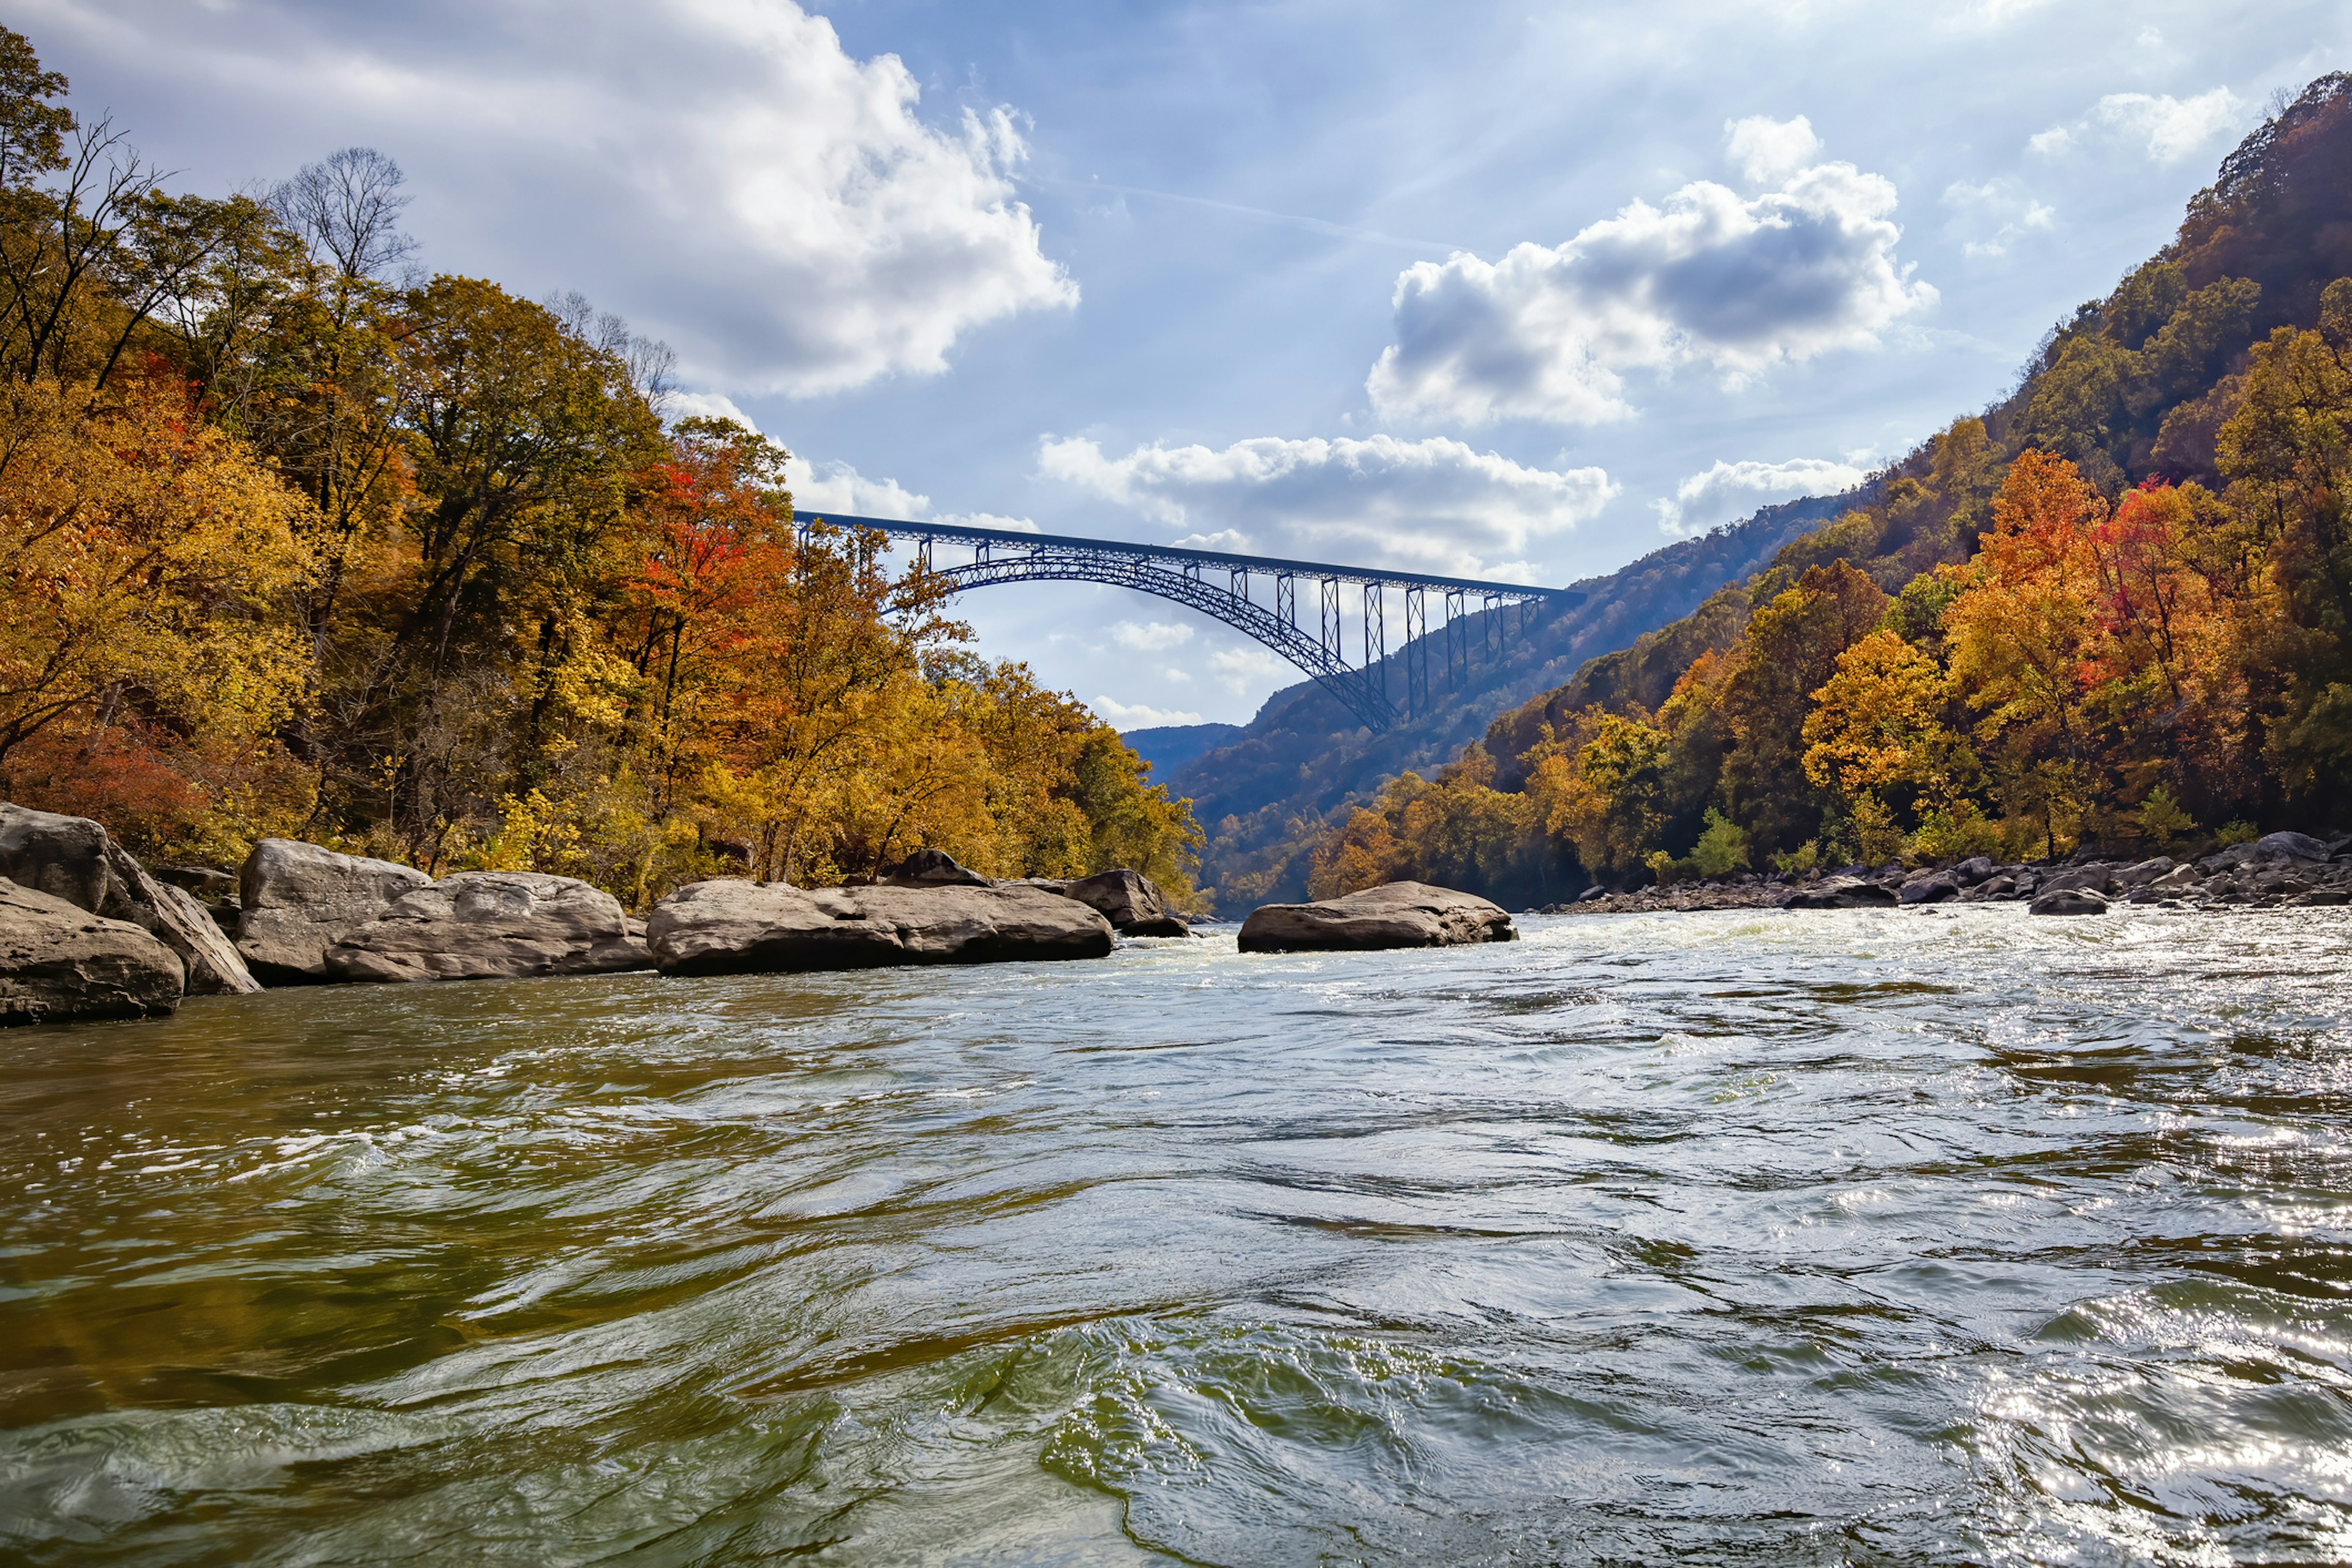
x=298 y=540
x=1304 y=756
x=2114 y=608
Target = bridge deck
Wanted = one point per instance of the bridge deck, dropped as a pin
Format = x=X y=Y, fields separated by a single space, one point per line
x=1267 y=565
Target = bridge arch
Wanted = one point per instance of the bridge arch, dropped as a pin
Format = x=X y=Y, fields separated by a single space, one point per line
x=1179 y=574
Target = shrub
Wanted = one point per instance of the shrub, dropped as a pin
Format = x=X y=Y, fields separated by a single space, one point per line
x=1955 y=833
x=2161 y=818
x=1722 y=848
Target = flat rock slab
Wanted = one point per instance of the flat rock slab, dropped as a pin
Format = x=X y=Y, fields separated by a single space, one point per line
x=71 y=857
x=758 y=928
x=490 y=925
x=58 y=963
x=1398 y=914
x=299 y=899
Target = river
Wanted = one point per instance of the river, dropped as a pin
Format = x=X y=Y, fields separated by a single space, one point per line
x=1865 y=1236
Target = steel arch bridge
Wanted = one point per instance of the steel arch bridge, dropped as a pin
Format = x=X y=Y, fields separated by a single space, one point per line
x=1005 y=555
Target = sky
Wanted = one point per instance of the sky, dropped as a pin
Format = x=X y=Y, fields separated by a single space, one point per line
x=1498 y=290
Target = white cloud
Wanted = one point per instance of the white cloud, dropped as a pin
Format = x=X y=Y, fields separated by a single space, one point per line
x=989 y=520
x=1232 y=542
x=722 y=172
x=2174 y=127
x=1150 y=637
x=1433 y=505
x=2171 y=128
x=1767 y=149
x=1250 y=667
x=1740 y=284
x=826 y=488
x=838 y=488
x=706 y=405
x=1731 y=491
x=2000 y=202
x=1126 y=716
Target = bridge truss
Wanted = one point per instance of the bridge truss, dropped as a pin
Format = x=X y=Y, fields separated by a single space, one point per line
x=1225 y=586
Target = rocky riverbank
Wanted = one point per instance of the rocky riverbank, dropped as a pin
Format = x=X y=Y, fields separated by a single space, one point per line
x=87 y=933
x=2281 y=870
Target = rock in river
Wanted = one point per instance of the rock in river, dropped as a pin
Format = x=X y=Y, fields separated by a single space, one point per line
x=1840 y=893
x=751 y=928
x=299 y=899
x=1130 y=901
x=60 y=962
x=1399 y=914
x=71 y=857
x=490 y=925
x=2069 y=902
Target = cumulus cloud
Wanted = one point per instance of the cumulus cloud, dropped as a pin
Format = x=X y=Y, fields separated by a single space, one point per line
x=1249 y=667
x=1737 y=283
x=1433 y=505
x=724 y=173
x=2170 y=127
x=1125 y=716
x=705 y=406
x=1767 y=149
x=1730 y=491
x=2173 y=127
x=1151 y=637
x=839 y=488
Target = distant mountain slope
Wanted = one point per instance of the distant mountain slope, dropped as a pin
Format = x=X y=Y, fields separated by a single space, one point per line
x=1168 y=747
x=1304 y=756
x=2133 y=386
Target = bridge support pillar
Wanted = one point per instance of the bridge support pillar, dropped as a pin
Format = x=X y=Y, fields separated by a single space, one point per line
x=1457 y=639
x=1416 y=652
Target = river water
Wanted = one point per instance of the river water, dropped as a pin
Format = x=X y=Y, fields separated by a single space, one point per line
x=1859 y=1236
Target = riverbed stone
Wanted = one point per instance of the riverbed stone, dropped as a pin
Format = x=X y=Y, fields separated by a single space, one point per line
x=490 y=925
x=2092 y=878
x=1975 y=870
x=60 y=964
x=2069 y=902
x=1928 y=891
x=1396 y=914
x=729 y=927
x=74 y=858
x=299 y=899
x=1840 y=893
x=1130 y=901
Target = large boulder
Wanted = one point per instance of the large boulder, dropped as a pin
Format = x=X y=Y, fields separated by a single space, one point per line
x=1130 y=901
x=490 y=925
x=2092 y=878
x=71 y=857
x=1930 y=890
x=755 y=927
x=2289 y=847
x=1399 y=914
x=298 y=899
x=2069 y=902
x=1840 y=892
x=60 y=962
